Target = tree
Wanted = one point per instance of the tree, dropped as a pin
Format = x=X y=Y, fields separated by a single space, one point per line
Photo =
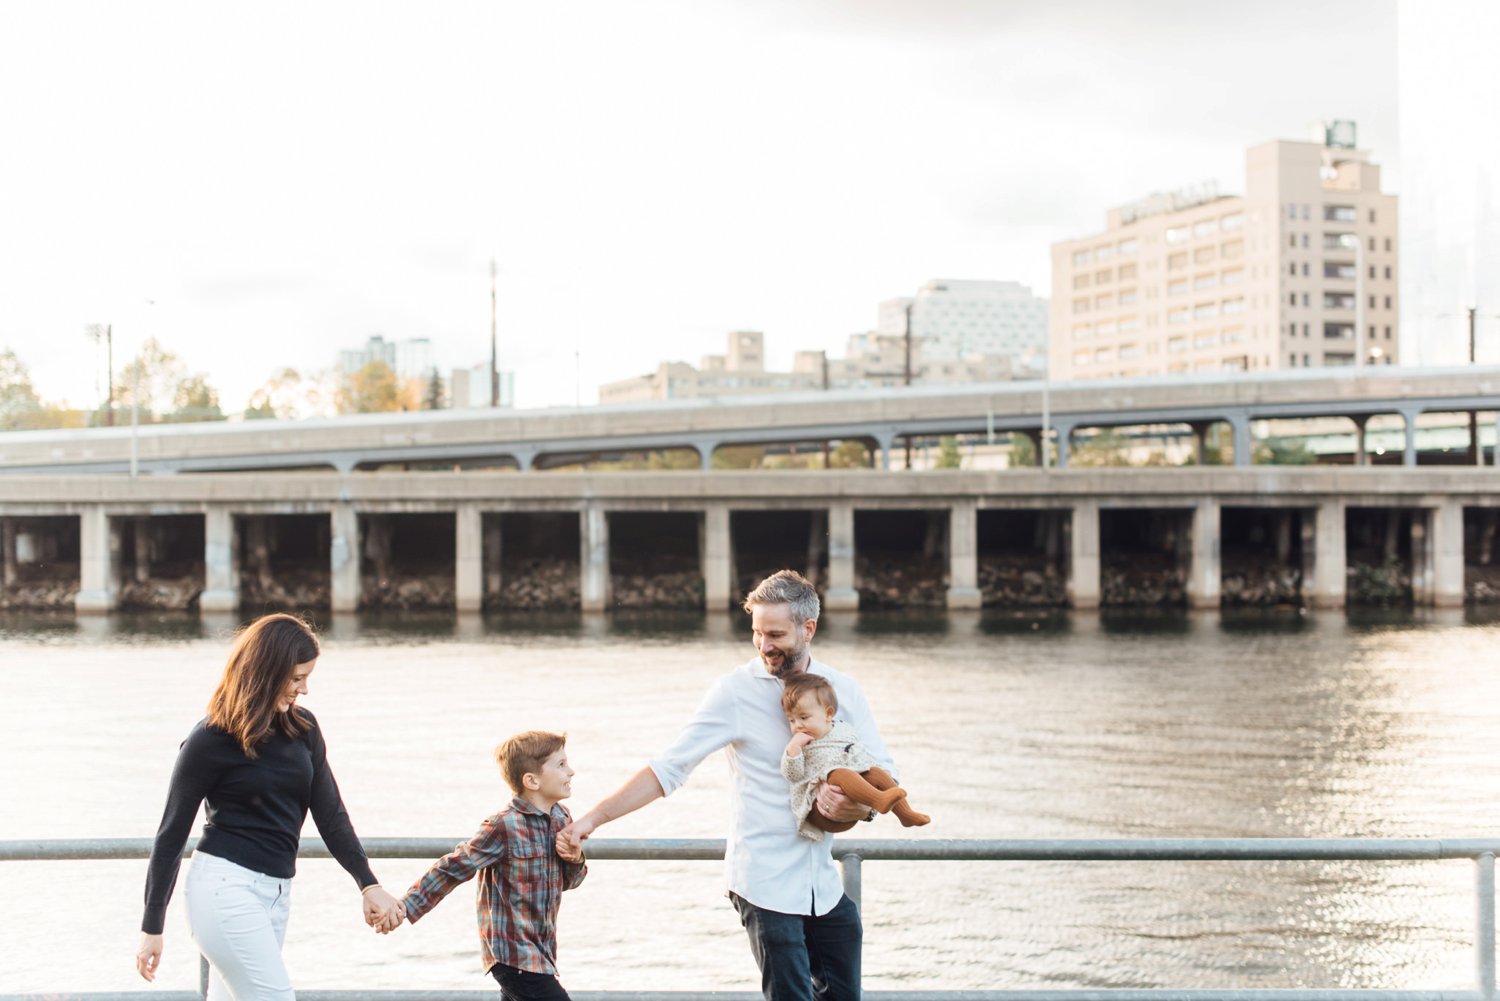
x=195 y=400
x=1107 y=448
x=433 y=397
x=1022 y=451
x=850 y=454
x=374 y=389
x=948 y=457
x=19 y=405
x=150 y=379
x=281 y=397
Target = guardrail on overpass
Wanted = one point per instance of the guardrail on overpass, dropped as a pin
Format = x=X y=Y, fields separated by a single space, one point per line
x=535 y=438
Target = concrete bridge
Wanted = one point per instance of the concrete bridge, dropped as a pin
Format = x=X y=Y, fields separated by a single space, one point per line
x=879 y=418
x=1310 y=510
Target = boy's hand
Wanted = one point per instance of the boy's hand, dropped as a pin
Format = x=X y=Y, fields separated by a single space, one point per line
x=380 y=907
x=797 y=743
x=568 y=849
x=392 y=919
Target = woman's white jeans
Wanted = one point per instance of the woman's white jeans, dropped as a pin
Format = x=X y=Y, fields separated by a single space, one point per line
x=238 y=918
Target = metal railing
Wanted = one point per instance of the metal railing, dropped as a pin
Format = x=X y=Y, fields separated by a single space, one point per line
x=852 y=853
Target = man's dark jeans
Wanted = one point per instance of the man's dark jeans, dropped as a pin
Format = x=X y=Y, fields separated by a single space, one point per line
x=523 y=985
x=802 y=957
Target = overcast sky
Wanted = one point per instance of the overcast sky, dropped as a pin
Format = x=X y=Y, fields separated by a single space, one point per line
x=261 y=185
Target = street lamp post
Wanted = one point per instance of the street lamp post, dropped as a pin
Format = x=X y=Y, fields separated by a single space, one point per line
x=1348 y=240
x=97 y=332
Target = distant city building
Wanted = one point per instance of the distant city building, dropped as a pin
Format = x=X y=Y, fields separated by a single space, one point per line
x=872 y=359
x=412 y=358
x=1300 y=271
x=470 y=387
x=1450 y=178
x=959 y=319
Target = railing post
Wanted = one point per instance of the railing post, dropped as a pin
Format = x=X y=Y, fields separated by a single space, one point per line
x=202 y=975
x=1484 y=885
x=849 y=866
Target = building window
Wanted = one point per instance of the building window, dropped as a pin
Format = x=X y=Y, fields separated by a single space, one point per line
x=1128 y=351
x=1387 y=302
x=1338 y=300
x=1105 y=330
x=1306 y=332
x=1304 y=269
x=1338 y=331
x=1179 y=315
x=1205 y=340
x=1233 y=276
x=1081 y=332
x=1234 y=305
x=1208 y=280
x=1387 y=244
x=1372 y=245
x=1205 y=227
x=1334 y=241
x=1387 y=333
x=1080 y=257
x=1177 y=286
x=1291 y=212
x=1177 y=261
x=1105 y=252
x=1291 y=300
x=1128 y=246
x=1127 y=271
x=1080 y=305
x=1104 y=277
x=1080 y=281
x=1291 y=269
x=1080 y=357
x=1205 y=310
x=1372 y=302
x=1177 y=234
x=1291 y=240
x=1203 y=255
x=1340 y=213
x=1234 y=335
x=1103 y=301
x=1104 y=354
x=1305 y=361
x=1372 y=271
x=1234 y=248
x=1388 y=273
x=1339 y=269
x=1306 y=299
x=1177 y=345
x=1292 y=360
x=1304 y=241
x=1127 y=296
x=1233 y=221
x=1372 y=215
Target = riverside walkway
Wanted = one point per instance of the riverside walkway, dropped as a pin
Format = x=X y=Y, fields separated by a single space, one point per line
x=852 y=853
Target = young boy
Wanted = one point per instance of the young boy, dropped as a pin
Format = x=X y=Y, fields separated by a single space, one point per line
x=521 y=874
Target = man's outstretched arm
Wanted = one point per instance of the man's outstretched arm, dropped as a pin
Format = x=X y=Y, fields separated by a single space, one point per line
x=643 y=787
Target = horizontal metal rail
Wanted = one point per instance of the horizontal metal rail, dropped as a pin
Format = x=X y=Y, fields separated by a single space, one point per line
x=851 y=854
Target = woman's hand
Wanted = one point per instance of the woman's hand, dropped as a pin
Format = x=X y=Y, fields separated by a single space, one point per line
x=148 y=958
x=383 y=912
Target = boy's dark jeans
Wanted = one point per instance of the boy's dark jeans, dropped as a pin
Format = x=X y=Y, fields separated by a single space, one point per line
x=523 y=985
x=802 y=957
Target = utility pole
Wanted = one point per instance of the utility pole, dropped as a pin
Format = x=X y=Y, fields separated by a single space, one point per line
x=1476 y=454
x=105 y=332
x=907 y=369
x=494 y=360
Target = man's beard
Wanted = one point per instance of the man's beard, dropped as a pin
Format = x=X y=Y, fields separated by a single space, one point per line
x=791 y=663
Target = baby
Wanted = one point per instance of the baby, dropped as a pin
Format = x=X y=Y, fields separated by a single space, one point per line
x=824 y=748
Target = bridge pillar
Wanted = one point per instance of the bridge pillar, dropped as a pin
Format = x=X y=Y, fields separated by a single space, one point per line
x=8 y=550
x=221 y=578
x=98 y=561
x=963 y=555
x=1083 y=560
x=343 y=557
x=715 y=550
x=1326 y=589
x=1205 y=574
x=494 y=549
x=1200 y=435
x=1447 y=541
x=1064 y=438
x=1244 y=454
x=1361 y=452
x=593 y=558
x=468 y=557
x=1421 y=556
x=1409 y=457
x=841 y=595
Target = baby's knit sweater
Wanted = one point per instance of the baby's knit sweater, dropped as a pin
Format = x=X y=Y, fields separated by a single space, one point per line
x=838 y=748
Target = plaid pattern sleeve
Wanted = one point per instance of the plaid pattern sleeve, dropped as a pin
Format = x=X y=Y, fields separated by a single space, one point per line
x=483 y=850
x=521 y=882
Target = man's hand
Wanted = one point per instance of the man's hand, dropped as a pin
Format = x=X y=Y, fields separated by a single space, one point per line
x=797 y=743
x=835 y=806
x=570 y=839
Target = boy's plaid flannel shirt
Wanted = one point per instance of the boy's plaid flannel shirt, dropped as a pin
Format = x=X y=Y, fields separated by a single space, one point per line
x=521 y=880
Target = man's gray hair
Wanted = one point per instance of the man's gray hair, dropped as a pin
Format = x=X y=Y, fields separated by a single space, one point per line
x=790 y=588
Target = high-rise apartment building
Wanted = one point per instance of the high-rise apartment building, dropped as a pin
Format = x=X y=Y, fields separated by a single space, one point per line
x=410 y=359
x=1450 y=179
x=1298 y=272
x=958 y=319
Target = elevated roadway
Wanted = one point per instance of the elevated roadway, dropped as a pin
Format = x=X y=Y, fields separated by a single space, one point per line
x=551 y=437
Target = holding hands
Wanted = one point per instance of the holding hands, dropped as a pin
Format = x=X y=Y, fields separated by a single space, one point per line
x=570 y=840
x=383 y=912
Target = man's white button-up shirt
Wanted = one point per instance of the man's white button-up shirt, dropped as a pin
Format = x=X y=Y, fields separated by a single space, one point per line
x=768 y=863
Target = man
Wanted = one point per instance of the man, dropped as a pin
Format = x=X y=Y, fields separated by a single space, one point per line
x=804 y=932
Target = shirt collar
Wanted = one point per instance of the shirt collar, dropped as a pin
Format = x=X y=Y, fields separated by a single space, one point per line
x=526 y=806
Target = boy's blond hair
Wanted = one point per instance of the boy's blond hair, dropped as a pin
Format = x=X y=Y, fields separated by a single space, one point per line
x=526 y=752
x=801 y=684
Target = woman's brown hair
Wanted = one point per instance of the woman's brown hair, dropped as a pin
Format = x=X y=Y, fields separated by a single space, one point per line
x=264 y=657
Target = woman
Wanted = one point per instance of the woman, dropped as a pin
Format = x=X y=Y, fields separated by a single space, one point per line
x=260 y=762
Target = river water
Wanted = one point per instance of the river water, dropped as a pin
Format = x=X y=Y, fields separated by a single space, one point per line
x=1204 y=725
